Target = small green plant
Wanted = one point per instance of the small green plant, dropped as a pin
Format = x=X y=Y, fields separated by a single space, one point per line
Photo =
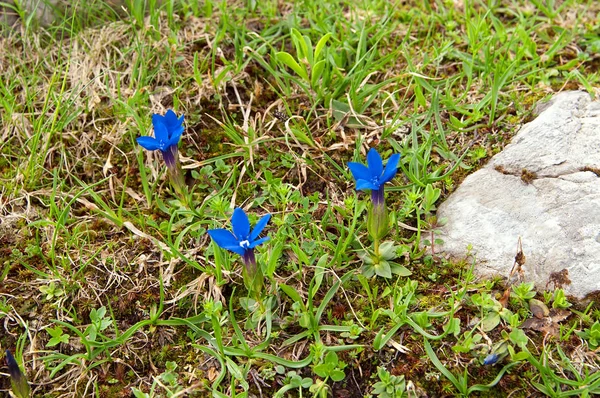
x=491 y=310
x=477 y=154
x=170 y=378
x=591 y=335
x=57 y=336
x=309 y=316
x=381 y=264
x=554 y=384
x=137 y=393
x=523 y=291
x=461 y=381
x=52 y=291
x=331 y=368
x=389 y=386
x=293 y=381
x=99 y=323
x=560 y=300
x=468 y=342
x=354 y=332
x=311 y=65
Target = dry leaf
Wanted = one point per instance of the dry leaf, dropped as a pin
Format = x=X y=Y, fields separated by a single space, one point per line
x=548 y=324
x=504 y=299
x=212 y=374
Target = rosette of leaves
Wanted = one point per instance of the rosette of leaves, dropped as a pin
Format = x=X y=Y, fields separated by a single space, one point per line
x=382 y=264
x=389 y=386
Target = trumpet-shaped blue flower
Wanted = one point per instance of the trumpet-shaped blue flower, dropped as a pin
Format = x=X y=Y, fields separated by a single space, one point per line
x=491 y=359
x=18 y=381
x=374 y=176
x=167 y=133
x=243 y=240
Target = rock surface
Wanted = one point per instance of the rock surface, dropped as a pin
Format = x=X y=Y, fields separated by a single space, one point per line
x=45 y=12
x=544 y=188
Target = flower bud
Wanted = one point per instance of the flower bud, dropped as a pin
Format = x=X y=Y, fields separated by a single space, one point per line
x=377 y=221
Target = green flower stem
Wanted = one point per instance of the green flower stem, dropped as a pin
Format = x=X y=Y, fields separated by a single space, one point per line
x=377 y=223
x=254 y=280
x=178 y=182
x=253 y=276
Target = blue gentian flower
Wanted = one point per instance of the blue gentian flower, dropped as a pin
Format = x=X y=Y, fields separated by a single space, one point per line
x=167 y=132
x=491 y=359
x=242 y=241
x=374 y=176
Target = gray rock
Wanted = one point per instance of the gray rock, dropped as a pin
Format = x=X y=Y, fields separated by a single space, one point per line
x=544 y=188
x=47 y=12
x=43 y=10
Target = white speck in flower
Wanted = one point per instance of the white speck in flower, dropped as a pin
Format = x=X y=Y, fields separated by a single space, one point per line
x=244 y=244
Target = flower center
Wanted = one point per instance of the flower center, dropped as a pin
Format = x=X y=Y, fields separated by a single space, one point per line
x=244 y=244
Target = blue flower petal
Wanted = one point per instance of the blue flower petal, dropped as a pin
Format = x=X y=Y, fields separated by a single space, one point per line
x=174 y=140
x=260 y=225
x=491 y=359
x=174 y=124
x=390 y=169
x=361 y=185
x=171 y=118
x=240 y=224
x=236 y=249
x=158 y=119
x=258 y=242
x=375 y=163
x=359 y=171
x=162 y=135
x=149 y=143
x=225 y=239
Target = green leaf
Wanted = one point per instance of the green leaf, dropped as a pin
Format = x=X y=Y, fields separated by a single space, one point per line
x=519 y=337
x=91 y=332
x=331 y=358
x=307 y=382
x=316 y=73
x=436 y=362
x=302 y=136
x=490 y=321
x=288 y=60
x=55 y=331
x=399 y=270
x=520 y=356
x=292 y=293
x=383 y=269
x=321 y=44
x=322 y=370
x=453 y=326
x=273 y=259
x=387 y=250
x=320 y=272
x=57 y=340
x=337 y=375
x=300 y=44
x=237 y=373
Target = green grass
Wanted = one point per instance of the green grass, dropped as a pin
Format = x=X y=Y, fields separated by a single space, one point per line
x=109 y=284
